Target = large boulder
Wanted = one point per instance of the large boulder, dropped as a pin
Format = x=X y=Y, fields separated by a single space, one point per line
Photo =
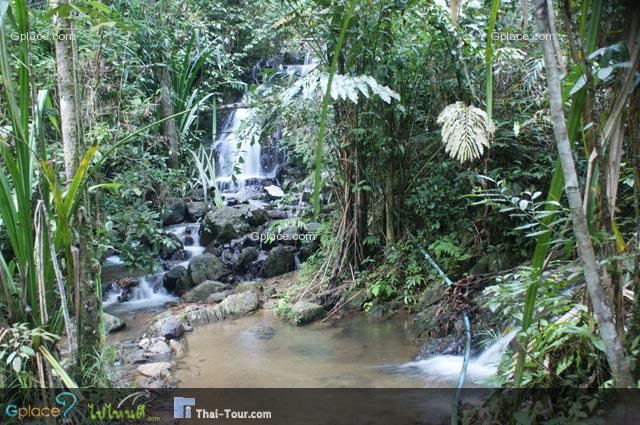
x=280 y=260
x=274 y=192
x=238 y=304
x=112 y=323
x=177 y=280
x=233 y=305
x=173 y=211
x=202 y=291
x=304 y=312
x=224 y=224
x=207 y=267
x=246 y=256
x=196 y=210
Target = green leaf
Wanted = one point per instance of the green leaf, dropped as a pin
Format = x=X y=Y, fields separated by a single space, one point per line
x=16 y=364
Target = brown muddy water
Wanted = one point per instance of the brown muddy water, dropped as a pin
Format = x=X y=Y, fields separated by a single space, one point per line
x=262 y=351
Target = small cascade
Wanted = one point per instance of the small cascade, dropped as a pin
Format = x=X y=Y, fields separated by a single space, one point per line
x=302 y=69
x=150 y=292
x=446 y=368
x=189 y=235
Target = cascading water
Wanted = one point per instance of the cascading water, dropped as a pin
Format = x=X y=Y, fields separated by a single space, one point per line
x=446 y=368
x=304 y=68
x=150 y=292
x=236 y=147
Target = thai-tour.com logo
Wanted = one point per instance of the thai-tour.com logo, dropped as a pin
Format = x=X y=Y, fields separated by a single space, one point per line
x=65 y=401
x=185 y=408
x=182 y=407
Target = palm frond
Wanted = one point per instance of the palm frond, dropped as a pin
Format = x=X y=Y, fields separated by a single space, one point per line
x=466 y=131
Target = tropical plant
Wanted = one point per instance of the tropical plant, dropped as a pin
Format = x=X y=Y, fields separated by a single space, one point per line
x=466 y=131
x=205 y=163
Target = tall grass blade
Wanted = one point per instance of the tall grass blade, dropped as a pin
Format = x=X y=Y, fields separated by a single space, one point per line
x=325 y=108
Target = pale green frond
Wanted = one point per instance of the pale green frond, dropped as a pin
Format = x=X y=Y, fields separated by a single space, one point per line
x=466 y=131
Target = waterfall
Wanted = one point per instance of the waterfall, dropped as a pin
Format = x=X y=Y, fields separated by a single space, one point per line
x=302 y=69
x=235 y=149
x=446 y=368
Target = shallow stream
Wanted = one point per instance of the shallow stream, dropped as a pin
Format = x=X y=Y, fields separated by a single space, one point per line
x=261 y=350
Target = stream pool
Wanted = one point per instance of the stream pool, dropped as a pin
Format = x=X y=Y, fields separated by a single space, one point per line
x=263 y=351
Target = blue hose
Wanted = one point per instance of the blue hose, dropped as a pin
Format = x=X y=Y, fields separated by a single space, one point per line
x=467 y=350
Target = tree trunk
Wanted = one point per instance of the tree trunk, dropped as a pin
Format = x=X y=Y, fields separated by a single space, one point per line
x=166 y=109
x=81 y=270
x=613 y=348
x=70 y=127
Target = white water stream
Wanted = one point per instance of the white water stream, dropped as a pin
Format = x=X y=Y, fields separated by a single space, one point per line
x=446 y=368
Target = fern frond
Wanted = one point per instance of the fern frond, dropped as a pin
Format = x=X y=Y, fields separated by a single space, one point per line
x=345 y=87
x=466 y=131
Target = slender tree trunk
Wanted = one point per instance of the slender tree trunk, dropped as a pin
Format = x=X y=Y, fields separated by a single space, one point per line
x=388 y=204
x=613 y=348
x=70 y=127
x=166 y=109
x=81 y=269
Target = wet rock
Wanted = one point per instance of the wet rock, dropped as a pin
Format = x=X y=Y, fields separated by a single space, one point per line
x=173 y=212
x=304 y=312
x=203 y=290
x=172 y=329
x=179 y=255
x=159 y=347
x=279 y=260
x=177 y=280
x=238 y=304
x=234 y=305
x=127 y=282
x=196 y=210
x=440 y=346
x=176 y=347
x=277 y=214
x=170 y=246
x=246 y=256
x=254 y=286
x=156 y=369
x=263 y=332
x=188 y=240
x=256 y=217
x=354 y=299
x=224 y=224
x=207 y=267
x=308 y=249
x=137 y=357
x=217 y=297
x=274 y=192
x=112 y=323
